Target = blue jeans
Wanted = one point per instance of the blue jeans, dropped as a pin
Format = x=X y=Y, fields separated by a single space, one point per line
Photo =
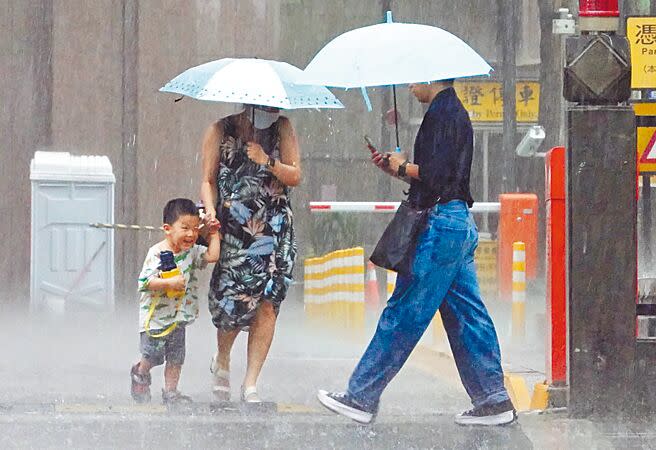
x=444 y=278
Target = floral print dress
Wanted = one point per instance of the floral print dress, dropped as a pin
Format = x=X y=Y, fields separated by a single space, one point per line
x=258 y=247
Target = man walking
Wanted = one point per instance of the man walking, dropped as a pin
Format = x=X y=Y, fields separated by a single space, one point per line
x=444 y=274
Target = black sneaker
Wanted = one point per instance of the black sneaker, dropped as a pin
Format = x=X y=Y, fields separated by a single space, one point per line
x=342 y=404
x=501 y=413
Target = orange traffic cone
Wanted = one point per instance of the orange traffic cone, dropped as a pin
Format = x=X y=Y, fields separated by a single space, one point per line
x=371 y=295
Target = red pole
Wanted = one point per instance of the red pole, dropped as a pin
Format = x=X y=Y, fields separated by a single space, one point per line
x=556 y=354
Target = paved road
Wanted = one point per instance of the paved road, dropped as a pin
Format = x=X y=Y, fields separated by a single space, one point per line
x=307 y=430
x=65 y=385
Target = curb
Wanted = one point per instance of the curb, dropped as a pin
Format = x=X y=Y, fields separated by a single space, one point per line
x=202 y=409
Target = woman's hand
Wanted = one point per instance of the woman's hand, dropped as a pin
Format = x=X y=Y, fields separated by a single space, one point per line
x=256 y=153
x=210 y=215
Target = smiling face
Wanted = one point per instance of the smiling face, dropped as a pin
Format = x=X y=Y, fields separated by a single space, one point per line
x=182 y=234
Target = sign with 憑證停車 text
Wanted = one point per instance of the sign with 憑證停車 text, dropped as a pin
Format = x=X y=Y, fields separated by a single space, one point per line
x=484 y=100
x=641 y=33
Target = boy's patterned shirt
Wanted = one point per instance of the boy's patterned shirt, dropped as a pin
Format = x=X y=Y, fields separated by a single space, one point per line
x=165 y=312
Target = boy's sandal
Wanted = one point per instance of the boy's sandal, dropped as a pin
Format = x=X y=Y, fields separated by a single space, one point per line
x=249 y=395
x=140 y=388
x=175 y=398
x=221 y=385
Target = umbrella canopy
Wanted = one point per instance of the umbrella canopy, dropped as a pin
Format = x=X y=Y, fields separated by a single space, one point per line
x=393 y=53
x=251 y=81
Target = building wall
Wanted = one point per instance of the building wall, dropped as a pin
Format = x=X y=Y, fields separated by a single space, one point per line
x=25 y=83
x=64 y=68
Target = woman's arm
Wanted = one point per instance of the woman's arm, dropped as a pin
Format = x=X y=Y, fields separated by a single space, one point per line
x=288 y=168
x=211 y=159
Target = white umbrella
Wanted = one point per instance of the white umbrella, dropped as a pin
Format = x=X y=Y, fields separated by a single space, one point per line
x=393 y=53
x=390 y=54
x=251 y=81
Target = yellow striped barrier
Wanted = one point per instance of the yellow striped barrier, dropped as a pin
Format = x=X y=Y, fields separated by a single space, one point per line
x=391 y=283
x=519 y=291
x=486 y=267
x=334 y=290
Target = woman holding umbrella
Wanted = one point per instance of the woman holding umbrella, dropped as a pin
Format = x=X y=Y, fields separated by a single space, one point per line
x=249 y=165
x=250 y=161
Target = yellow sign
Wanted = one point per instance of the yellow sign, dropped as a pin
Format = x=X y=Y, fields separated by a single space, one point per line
x=641 y=32
x=646 y=139
x=484 y=100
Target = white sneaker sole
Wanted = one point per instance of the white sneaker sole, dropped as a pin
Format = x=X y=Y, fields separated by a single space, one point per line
x=503 y=418
x=359 y=416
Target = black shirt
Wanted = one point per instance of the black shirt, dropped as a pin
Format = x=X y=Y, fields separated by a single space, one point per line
x=444 y=149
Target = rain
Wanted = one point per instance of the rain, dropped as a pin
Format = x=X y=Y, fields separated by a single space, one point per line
x=101 y=125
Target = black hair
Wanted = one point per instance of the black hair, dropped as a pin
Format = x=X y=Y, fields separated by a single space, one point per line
x=179 y=207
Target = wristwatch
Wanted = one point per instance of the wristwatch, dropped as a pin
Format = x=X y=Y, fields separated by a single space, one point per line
x=271 y=162
x=401 y=171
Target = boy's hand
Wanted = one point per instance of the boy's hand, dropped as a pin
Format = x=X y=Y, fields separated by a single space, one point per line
x=210 y=226
x=213 y=226
x=177 y=283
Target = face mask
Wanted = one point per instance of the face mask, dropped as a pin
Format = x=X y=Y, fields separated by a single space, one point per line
x=264 y=119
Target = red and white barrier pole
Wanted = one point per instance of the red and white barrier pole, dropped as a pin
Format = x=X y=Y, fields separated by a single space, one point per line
x=385 y=207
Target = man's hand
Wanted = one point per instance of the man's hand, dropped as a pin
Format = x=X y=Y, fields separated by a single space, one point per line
x=395 y=160
x=388 y=162
x=256 y=153
x=381 y=160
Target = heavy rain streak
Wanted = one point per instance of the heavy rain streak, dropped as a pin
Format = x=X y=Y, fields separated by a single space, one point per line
x=307 y=224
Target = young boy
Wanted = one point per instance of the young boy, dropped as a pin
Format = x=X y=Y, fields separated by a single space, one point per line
x=162 y=319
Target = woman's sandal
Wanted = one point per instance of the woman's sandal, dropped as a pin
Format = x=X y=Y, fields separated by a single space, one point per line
x=249 y=395
x=221 y=385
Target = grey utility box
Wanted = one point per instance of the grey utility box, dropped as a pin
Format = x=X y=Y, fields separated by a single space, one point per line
x=72 y=264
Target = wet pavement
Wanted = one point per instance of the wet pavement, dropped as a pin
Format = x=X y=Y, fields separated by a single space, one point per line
x=308 y=430
x=66 y=385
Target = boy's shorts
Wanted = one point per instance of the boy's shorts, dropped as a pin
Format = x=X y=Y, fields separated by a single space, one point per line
x=169 y=348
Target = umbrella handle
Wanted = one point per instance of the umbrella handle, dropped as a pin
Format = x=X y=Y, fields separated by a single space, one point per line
x=253 y=123
x=396 y=113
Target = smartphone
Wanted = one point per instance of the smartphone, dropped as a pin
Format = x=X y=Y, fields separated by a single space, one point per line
x=370 y=145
